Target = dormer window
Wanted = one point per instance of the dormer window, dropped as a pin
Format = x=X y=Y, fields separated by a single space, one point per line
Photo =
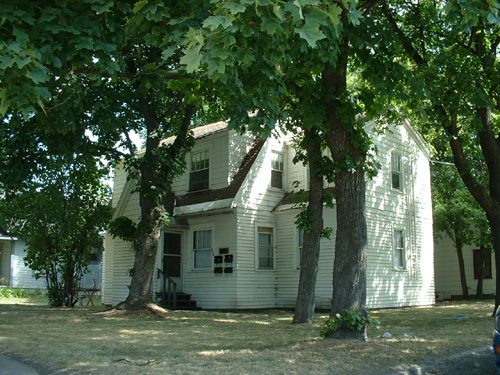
x=277 y=170
x=199 y=175
x=396 y=172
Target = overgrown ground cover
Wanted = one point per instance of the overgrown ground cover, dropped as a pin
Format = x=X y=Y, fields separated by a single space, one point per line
x=97 y=341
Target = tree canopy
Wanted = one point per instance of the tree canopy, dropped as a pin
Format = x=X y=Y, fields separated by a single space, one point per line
x=79 y=77
x=451 y=53
x=60 y=215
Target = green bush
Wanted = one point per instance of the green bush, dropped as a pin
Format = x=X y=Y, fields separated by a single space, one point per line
x=19 y=293
x=353 y=320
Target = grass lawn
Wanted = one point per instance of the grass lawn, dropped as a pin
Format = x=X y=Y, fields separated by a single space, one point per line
x=95 y=341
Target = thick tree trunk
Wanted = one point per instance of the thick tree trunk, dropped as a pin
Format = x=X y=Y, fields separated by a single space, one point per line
x=304 y=308
x=140 y=296
x=461 y=267
x=153 y=174
x=349 y=269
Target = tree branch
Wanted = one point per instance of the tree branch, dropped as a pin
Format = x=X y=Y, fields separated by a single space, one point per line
x=405 y=42
x=128 y=142
x=369 y=6
x=478 y=192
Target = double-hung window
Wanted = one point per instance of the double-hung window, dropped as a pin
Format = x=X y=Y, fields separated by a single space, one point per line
x=199 y=173
x=265 y=248
x=396 y=171
x=202 y=249
x=277 y=170
x=399 y=254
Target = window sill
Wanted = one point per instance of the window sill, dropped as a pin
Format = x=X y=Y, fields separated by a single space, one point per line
x=201 y=270
x=198 y=191
x=270 y=188
x=398 y=269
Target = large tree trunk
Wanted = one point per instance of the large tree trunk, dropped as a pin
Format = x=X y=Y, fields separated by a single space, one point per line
x=304 y=308
x=349 y=269
x=140 y=296
x=153 y=174
x=461 y=267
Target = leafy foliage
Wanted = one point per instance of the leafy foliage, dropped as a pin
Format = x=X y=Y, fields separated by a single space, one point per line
x=99 y=71
x=352 y=319
x=59 y=214
x=19 y=293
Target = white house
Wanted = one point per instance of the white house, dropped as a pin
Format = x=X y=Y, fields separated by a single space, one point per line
x=232 y=242
x=448 y=284
x=14 y=273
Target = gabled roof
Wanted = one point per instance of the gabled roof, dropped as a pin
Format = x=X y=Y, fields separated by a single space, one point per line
x=230 y=191
x=203 y=131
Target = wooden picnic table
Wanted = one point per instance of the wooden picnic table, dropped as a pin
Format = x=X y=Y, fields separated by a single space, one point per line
x=87 y=293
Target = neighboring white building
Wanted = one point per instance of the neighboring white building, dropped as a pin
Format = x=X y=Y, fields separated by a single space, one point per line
x=232 y=242
x=14 y=273
x=448 y=284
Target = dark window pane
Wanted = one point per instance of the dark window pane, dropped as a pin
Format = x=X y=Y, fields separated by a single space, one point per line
x=396 y=181
x=172 y=266
x=198 y=180
x=277 y=179
x=172 y=244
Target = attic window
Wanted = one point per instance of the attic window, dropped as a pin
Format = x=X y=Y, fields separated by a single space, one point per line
x=199 y=175
x=277 y=170
x=396 y=171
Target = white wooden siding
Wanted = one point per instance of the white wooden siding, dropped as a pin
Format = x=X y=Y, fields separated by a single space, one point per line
x=255 y=203
x=387 y=209
x=448 y=274
x=217 y=145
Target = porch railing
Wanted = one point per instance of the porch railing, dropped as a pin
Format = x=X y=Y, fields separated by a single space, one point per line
x=168 y=295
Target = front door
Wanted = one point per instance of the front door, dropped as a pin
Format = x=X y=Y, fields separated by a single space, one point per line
x=172 y=257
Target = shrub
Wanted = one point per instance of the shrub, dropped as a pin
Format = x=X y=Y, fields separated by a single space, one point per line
x=18 y=293
x=353 y=320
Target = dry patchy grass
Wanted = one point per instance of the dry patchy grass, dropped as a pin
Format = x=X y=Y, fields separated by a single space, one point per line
x=92 y=340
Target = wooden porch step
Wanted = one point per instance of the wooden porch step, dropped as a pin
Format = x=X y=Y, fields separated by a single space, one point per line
x=183 y=301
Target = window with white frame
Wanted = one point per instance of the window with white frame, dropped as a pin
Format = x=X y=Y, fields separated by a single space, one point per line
x=265 y=248
x=202 y=249
x=199 y=172
x=277 y=170
x=399 y=253
x=396 y=171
